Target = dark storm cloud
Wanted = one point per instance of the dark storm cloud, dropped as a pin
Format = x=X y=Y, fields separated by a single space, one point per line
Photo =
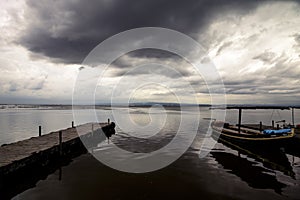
x=13 y=87
x=67 y=30
x=153 y=53
x=37 y=86
x=266 y=56
x=232 y=83
x=151 y=61
x=283 y=67
x=144 y=54
x=242 y=91
x=297 y=39
x=223 y=46
x=154 y=69
x=32 y=85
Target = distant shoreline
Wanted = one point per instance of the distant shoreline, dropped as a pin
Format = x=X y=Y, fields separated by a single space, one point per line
x=138 y=105
x=143 y=104
x=99 y=106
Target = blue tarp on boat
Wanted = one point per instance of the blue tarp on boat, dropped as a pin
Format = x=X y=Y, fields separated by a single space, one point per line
x=280 y=131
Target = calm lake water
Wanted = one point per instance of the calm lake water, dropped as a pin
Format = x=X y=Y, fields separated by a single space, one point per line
x=225 y=173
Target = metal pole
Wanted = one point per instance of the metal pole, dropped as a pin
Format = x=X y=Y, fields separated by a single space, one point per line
x=240 y=119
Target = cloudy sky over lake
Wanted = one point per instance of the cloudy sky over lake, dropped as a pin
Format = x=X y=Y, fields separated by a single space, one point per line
x=255 y=45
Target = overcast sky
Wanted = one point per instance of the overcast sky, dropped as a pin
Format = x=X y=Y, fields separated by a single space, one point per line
x=255 y=45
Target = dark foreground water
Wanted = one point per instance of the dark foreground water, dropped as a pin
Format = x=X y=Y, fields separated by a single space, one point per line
x=225 y=173
x=222 y=175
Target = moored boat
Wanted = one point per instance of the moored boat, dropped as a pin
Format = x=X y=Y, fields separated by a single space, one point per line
x=250 y=137
x=254 y=135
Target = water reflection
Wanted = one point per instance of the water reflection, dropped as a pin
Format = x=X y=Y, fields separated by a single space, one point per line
x=248 y=173
x=258 y=168
x=274 y=158
x=255 y=176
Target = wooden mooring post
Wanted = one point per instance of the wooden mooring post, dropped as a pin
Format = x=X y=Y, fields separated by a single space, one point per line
x=40 y=131
x=260 y=126
x=293 y=117
x=240 y=120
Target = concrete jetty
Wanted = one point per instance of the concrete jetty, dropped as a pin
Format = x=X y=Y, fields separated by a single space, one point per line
x=42 y=150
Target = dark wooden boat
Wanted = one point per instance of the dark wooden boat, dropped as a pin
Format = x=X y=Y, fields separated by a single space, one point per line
x=250 y=136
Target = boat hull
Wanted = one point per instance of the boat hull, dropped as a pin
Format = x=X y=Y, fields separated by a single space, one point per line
x=255 y=142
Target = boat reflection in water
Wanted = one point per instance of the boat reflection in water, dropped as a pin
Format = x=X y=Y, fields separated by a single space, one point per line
x=260 y=149
x=257 y=168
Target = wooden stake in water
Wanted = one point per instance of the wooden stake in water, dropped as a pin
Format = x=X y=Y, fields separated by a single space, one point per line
x=293 y=117
x=260 y=126
x=240 y=120
x=40 y=131
x=72 y=124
